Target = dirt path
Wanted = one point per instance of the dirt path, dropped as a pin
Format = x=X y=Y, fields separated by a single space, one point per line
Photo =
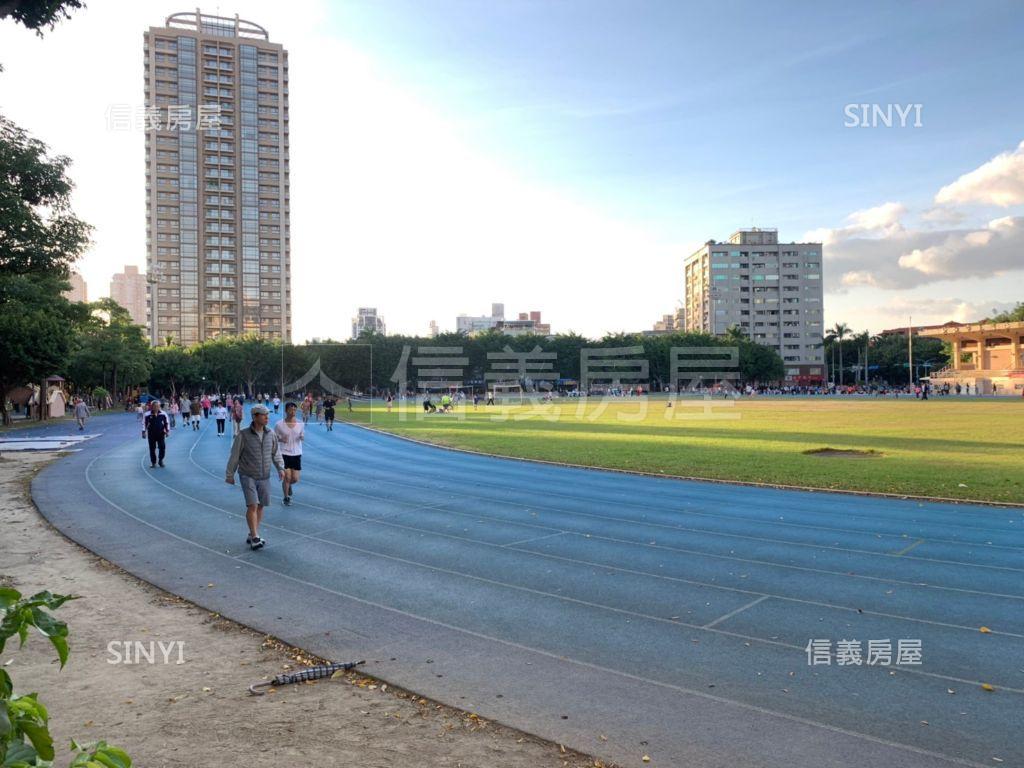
x=199 y=712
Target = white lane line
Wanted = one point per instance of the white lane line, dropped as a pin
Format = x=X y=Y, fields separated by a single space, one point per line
x=575 y=513
x=541 y=593
x=702 y=553
x=618 y=569
x=730 y=614
x=535 y=538
x=506 y=459
x=547 y=654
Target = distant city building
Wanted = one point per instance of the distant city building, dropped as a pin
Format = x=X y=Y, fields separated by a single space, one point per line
x=79 y=291
x=528 y=322
x=772 y=292
x=667 y=324
x=367 y=319
x=217 y=180
x=433 y=329
x=128 y=289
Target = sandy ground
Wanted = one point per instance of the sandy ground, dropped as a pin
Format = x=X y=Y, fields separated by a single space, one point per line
x=199 y=712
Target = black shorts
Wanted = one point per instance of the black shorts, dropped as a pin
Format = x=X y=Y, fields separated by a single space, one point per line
x=328 y=413
x=293 y=462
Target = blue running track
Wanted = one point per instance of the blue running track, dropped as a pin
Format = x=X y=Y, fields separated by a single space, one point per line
x=616 y=614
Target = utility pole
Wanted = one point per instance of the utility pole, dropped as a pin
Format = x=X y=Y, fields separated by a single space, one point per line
x=910 y=347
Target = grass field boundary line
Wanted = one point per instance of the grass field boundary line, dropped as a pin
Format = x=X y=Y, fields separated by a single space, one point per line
x=546 y=654
x=748 y=483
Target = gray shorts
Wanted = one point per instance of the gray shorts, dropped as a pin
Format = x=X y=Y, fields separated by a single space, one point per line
x=256 y=491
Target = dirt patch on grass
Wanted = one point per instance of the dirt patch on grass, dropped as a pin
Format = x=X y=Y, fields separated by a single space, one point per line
x=843 y=453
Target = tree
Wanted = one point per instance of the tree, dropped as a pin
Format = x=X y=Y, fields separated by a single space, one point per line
x=41 y=235
x=839 y=331
x=1014 y=315
x=34 y=332
x=173 y=367
x=110 y=349
x=36 y=14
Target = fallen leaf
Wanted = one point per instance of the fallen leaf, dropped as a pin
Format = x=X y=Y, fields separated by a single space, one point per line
x=985 y=630
x=987 y=687
x=646 y=758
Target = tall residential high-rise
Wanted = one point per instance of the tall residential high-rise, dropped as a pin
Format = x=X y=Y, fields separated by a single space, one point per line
x=79 y=291
x=128 y=289
x=772 y=291
x=217 y=180
x=367 y=319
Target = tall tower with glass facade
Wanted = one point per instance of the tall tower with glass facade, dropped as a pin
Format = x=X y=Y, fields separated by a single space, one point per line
x=217 y=180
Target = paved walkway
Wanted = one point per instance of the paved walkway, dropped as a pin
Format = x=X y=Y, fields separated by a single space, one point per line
x=616 y=614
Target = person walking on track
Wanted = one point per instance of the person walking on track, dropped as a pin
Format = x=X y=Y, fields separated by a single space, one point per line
x=237 y=414
x=196 y=408
x=220 y=414
x=291 y=433
x=81 y=413
x=156 y=427
x=254 y=450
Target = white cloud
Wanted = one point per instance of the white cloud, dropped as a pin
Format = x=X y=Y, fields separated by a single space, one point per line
x=1000 y=182
x=874 y=249
x=880 y=221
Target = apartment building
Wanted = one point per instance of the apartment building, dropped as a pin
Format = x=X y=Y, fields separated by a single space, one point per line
x=129 y=289
x=217 y=180
x=771 y=291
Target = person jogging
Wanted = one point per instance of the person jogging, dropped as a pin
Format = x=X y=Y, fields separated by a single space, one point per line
x=254 y=450
x=156 y=427
x=81 y=413
x=220 y=414
x=277 y=403
x=329 y=413
x=206 y=406
x=291 y=433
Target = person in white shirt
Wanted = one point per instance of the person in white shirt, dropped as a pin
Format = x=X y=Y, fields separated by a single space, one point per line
x=291 y=433
x=277 y=403
x=220 y=413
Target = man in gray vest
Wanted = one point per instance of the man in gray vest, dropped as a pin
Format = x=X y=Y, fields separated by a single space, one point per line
x=254 y=450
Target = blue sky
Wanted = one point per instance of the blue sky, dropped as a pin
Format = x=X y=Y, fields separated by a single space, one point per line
x=699 y=119
x=567 y=156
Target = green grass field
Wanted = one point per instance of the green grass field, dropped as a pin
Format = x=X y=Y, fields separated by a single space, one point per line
x=963 y=449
